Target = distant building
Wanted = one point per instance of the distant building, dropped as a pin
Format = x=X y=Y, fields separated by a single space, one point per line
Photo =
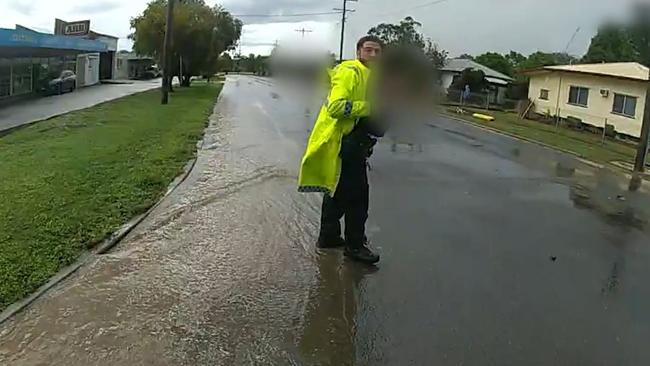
x=593 y=93
x=133 y=66
x=107 y=59
x=30 y=59
x=454 y=68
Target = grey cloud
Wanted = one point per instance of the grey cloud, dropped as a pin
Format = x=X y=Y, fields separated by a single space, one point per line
x=96 y=7
x=460 y=26
x=22 y=7
x=278 y=7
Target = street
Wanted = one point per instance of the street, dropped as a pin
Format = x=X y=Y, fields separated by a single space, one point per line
x=494 y=252
x=33 y=110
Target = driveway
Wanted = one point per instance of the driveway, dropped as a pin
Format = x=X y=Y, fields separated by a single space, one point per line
x=494 y=252
x=33 y=110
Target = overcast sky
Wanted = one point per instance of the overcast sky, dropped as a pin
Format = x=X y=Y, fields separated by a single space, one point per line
x=459 y=26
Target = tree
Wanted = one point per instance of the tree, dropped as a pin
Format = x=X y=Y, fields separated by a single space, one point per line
x=474 y=78
x=406 y=35
x=538 y=59
x=563 y=58
x=623 y=41
x=403 y=34
x=639 y=32
x=201 y=33
x=255 y=64
x=437 y=55
x=612 y=43
x=515 y=59
x=225 y=63
x=496 y=62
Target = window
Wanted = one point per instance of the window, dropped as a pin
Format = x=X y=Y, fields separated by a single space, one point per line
x=625 y=105
x=579 y=96
x=543 y=94
x=5 y=80
x=21 y=77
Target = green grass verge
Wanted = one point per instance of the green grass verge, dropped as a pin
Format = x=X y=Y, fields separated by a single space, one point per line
x=585 y=144
x=69 y=182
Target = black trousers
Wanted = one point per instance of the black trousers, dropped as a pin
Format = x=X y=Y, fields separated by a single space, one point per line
x=350 y=201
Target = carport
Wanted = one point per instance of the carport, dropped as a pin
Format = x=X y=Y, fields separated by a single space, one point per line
x=28 y=59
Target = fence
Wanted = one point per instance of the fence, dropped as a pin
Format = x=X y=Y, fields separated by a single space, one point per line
x=586 y=129
x=491 y=100
x=582 y=121
x=567 y=118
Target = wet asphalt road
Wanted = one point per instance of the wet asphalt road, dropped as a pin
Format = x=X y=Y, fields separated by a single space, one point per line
x=494 y=252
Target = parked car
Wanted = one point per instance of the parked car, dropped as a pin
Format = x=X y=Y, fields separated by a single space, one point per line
x=66 y=82
x=150 y=72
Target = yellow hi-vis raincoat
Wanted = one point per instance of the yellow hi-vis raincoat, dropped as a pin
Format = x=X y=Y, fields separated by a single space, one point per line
x=346 y=103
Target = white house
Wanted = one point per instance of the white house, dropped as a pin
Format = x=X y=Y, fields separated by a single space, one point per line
x=612 y=93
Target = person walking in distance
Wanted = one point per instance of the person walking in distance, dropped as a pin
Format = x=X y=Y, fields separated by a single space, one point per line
x=335 y=161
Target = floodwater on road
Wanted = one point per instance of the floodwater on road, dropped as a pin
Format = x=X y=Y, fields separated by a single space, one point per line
x=494 y=252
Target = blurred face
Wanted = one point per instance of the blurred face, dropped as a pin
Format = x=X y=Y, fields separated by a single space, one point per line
x=369 y=52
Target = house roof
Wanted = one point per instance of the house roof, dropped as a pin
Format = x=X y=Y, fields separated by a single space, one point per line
x=93 y=34
x=460 y=64
x=625 y=70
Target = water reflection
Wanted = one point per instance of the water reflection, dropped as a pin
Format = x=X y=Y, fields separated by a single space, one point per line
x=330 y=329
x=608 y=196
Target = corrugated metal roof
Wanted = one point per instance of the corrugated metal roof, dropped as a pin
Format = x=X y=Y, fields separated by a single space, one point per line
x=627 y=70
x=460 y=64
x=496 y=80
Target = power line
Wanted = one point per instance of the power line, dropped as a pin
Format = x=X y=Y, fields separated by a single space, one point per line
x=284 y=15
x=573 y=37
x=430 y=3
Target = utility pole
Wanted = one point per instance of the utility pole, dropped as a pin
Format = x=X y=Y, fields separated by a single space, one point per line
x=344 y=12
x=303 y=31
x=180 y=69
x=166 y=54
x=642 y=148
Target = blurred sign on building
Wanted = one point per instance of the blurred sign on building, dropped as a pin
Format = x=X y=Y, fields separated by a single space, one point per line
x=76 y=28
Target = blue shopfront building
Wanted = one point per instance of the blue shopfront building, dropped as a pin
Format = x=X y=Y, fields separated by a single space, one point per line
x=28 y=59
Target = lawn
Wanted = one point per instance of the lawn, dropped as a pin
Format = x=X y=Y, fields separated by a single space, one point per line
x=584 y=144
x=69 y=182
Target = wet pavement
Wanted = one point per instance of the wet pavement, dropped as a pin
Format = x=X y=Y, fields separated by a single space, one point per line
x=494 y=252
x=28 y=111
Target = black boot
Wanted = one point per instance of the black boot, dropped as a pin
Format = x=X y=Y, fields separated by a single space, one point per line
x=361 y=254
x=334 y=243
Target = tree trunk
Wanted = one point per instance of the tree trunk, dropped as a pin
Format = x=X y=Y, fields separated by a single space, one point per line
x=186 y=80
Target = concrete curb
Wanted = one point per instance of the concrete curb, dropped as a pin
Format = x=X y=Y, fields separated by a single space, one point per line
x=19 y=306
x=580 y=157
x=122 y=232
x=107 y=244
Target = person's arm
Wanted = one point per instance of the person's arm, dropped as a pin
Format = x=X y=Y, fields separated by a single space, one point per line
x=339 y=103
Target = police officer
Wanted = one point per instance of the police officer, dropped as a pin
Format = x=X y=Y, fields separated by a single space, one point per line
x=335 y=161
